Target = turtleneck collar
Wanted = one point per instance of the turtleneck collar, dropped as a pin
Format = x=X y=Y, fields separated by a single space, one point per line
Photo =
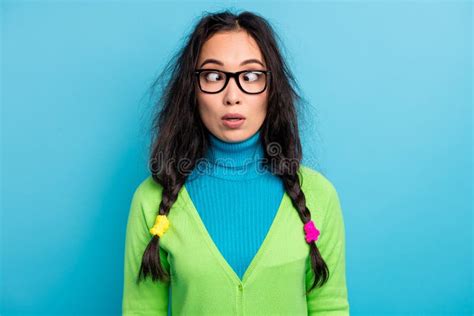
x=235 y=155
x=233 y=160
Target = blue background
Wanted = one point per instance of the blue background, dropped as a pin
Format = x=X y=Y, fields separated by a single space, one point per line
x=390 y=91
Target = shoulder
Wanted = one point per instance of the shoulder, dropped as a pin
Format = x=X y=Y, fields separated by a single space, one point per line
x=148 y=193
x=318 y=189
x=315 y=182
x=148 y=185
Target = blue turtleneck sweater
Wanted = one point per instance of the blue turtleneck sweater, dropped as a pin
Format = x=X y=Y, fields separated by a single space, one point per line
x=235 y=197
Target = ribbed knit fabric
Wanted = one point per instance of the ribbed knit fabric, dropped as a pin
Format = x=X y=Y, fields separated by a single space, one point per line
x=203 y=283
x=236 y=198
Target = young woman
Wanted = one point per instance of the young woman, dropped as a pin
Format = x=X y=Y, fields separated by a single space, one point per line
x=229 y=221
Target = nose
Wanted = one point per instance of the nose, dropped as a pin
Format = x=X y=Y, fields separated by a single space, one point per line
x=232 y=92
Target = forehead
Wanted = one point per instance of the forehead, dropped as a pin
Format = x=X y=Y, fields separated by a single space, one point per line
x=231 y=48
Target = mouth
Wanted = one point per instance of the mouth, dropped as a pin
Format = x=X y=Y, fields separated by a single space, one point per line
x=233 y=120
x=233 y=117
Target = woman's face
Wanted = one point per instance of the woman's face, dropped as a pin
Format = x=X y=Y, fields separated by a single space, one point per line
x=229 y=51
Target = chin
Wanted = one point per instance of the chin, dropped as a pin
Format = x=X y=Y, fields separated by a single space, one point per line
x=235 y=136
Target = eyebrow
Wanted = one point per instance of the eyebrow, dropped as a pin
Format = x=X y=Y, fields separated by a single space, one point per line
x=245 y=62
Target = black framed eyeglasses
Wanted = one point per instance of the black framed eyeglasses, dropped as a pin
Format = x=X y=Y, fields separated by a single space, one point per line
x=249 y=81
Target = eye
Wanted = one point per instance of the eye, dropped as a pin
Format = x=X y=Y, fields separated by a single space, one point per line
x=252 y=75
x=213 y=76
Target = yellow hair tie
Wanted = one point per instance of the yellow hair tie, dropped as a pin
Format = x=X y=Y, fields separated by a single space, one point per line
x=161 y=225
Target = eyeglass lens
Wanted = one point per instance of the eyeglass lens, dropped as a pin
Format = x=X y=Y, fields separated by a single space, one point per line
x=251 y=81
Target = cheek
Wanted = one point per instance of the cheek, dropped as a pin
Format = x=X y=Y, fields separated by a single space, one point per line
x=206 y=110
x=261 y=111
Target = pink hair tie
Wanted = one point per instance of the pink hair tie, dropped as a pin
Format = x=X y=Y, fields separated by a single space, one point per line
x=311 y=232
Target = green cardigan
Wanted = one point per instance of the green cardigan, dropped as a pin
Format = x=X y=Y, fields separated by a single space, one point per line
x=203 y=283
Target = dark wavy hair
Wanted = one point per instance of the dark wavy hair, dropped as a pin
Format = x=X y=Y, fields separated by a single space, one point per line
x=180 y=139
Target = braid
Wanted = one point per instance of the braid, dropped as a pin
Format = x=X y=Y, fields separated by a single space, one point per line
x=293 y=188
x=151 y=263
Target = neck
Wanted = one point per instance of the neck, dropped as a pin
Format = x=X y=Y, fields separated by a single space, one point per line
x=233 y=161
x=235 y=155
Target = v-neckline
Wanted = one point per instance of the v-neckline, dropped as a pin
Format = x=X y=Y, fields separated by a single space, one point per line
x=216 y=252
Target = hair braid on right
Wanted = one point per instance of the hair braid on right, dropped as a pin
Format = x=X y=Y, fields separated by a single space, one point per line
x=319 y=267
